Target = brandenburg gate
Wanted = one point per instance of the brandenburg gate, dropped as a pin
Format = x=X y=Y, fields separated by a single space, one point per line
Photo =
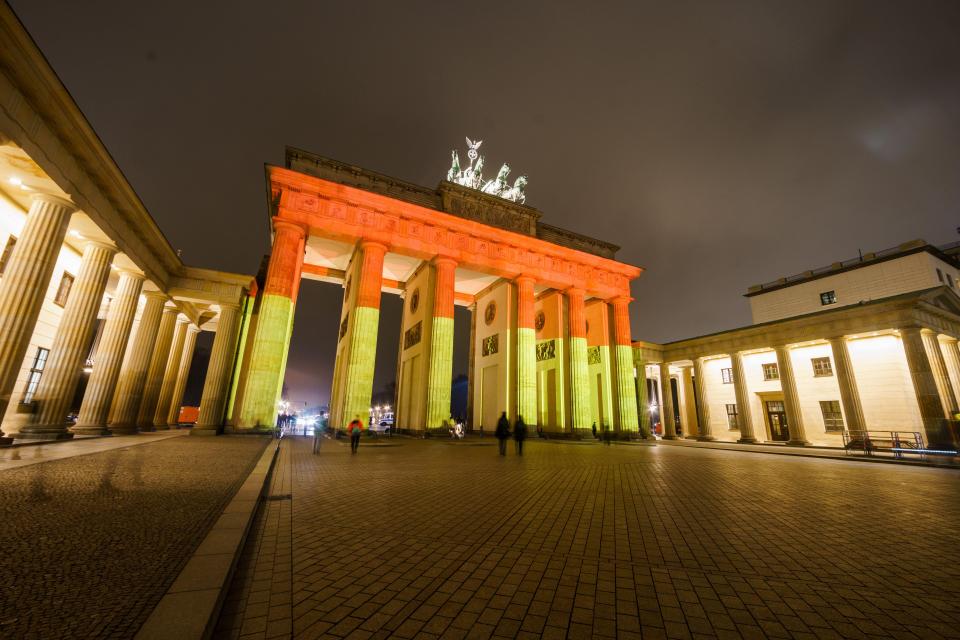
x=550 y=338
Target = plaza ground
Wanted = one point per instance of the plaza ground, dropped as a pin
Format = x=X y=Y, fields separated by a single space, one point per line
x=438 y=539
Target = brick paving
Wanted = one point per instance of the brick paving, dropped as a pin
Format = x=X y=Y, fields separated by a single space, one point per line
x=91 y=543
x=437 y=540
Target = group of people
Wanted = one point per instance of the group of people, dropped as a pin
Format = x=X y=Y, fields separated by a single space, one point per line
x=503 y=433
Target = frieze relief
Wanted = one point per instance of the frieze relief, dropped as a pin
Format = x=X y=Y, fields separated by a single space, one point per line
x=412 y=335
x=593 y=355
x=491 y=345
x=546 y=350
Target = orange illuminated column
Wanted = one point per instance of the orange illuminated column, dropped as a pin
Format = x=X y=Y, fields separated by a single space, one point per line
x=271 y=341
x=357 y=347
x=579 y=370
x=441 y=344
x=623 y=366
x=526 y=352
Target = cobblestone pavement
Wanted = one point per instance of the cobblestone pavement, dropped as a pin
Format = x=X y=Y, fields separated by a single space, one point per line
x=433 y=539
x=91 y=543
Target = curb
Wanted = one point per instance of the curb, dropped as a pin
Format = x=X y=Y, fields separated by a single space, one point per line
x=190 y=607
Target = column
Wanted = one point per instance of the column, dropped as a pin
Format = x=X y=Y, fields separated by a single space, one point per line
x=271 y=340
x=95 y=406
x=643 y=403
x=526 y=352
x=847 y=381
x=440 y=368
x=158 y=363
x=742 y=393
x=940 y=373
x=186 y=358
x=360 y=349
x=470 y=368
x=126 y=401
x=213 y=401
x=171 y=373
x=791 y=399
x=952 y=356
x=24 y=285
x=666 y=404
x=579 y=369
x=623 y=367
x=687 y=407
x=929 y=400
x=705 y=430
x=65 y=361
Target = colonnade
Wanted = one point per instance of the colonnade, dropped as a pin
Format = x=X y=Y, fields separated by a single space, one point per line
x=929 y=355
x=138 y=374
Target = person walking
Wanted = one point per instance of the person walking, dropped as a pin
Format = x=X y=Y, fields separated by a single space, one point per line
x=317 y=434
x=503 y=432
x=520 y=434
x=594 y=427
x=355 y=429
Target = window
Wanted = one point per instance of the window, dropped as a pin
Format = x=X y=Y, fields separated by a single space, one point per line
x=39 y=362
x=727 y=375
x=733 y=418
x=821 y=367
x=832 y=418
x=939 y=275
x=771 y=371
x=7 y=250
x=63 y=291
x=950 y=280
x=828 y=297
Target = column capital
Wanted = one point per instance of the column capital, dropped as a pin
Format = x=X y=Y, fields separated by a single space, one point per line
x=366 y=245
x=182 y=319
x=624 y=299
x=283 y=223
x=444 y=260
x=525 y=278
x=56 y=200
x=233 y=306
x=131 y=274
x=194 y=329
x=156 y=295
x=106 y=246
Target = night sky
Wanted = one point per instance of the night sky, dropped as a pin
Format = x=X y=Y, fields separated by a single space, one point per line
x=721 y=144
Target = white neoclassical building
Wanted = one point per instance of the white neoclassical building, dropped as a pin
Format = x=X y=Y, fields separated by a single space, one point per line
x=864 y=344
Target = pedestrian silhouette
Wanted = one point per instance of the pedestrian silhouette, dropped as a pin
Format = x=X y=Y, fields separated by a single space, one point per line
x=594 y=427
x=355 y=429
x=520 y=434
x=503 y=432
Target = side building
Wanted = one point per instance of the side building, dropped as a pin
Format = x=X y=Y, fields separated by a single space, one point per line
x=864 y=344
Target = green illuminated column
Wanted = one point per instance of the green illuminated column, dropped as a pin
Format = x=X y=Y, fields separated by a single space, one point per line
x=667 y=420
x=643 y=402
x=360 y=349
x=623 y=363
x=579 y=370
x=271 y=340
x=526 y=352
x=441 y=344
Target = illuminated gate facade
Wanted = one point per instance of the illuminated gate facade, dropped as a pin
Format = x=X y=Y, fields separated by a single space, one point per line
x=550 y=338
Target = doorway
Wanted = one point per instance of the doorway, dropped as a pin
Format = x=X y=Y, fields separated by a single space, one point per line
x=777 y=421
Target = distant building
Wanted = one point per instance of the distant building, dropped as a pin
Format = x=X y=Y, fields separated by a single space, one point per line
x=864 y=344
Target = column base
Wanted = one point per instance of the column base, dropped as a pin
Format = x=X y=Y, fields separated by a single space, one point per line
x=670 y=438
x=123 y=430
x=798 y=443
x=43 y=433
x=5 y=441
x=747 y=440
x=705 y=438
x=146 y=428
x=204 y=431
x=161 y=427
x=90 y=430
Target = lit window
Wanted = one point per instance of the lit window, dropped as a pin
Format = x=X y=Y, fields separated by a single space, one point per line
x=832 y=418
x=727 y=375
x=63 y=291
x=733 y=418
x=828 y=297
x=39 y=362
x=822 y=367
x=771 y=371
x=7 y=250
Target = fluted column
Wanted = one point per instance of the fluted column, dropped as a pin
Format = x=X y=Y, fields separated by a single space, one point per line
x=667 y=420
x=579 y=368
x=623 y=367
x=126 y=400
x=847 y=382
x=929 y=400
x=213 y=402
x=440 y=371
x=705 y=430
x=170 y=373
x=109 y=356
x=742 y=393
x=940 y=373
x=64 y=363
x=791 y=399
x=526 y=352
x=24 y=284
x=952 y=356
x=643 y=402
x=158 y=363
x=186 y=358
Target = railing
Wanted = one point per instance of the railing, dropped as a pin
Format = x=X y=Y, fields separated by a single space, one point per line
x=896 y=443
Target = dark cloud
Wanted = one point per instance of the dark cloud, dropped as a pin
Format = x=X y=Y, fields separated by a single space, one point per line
x=721 y=144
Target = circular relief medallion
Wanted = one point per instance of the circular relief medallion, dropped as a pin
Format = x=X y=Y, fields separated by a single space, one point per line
x=539 y=321
x=415 y=301
x=490 y=313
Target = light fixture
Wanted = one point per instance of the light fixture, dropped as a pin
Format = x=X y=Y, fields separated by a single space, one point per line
x=15 y=181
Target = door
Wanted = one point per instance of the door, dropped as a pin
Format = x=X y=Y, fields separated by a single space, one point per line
x=777 y=419
x=489 y=409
